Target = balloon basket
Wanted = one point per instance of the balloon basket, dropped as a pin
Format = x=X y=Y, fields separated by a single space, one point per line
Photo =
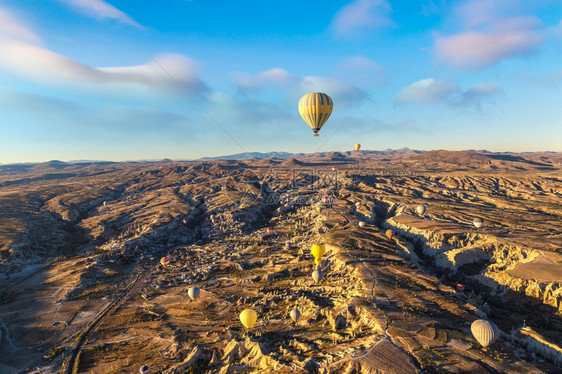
x=316 y=135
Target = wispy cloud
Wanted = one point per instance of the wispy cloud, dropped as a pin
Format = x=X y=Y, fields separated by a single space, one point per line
x=361 y=15
x=100 y=9
x=22 y=52
x=431 y=90
x=294 y=87
x=490 y=34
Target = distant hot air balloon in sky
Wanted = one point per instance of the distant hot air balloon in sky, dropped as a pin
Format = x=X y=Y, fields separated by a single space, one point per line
x=165 y=261
x=478 y=222
x=420 y=209
x=485 y=332
x=295 y=314
x=315 y=108
x=357 y=146
x=361 y=224
x=194 y=292
x=248 y=317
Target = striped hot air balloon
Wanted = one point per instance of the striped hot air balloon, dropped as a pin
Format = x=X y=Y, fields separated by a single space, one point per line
x=315 y=108
x=485 y=332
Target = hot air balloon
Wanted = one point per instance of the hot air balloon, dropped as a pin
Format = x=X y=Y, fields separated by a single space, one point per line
x=318 y=261
x=317 y=275
x=295 y=314
x=288 y=176
x=460 y=287
x=248 y=317
x=390 y=233
x=361 y=224
x=478 y=222
x=315 y=108
x=165 y=261
x=105 y=203
x=143 y=369
x=334 y=168
x=193 y=292
x=357 y=146
x=485 y=332
x=325 y=200
x=420 y=209
x=269 y=230
x=318 y=251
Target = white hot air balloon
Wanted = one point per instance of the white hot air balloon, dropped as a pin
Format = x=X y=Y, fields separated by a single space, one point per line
x=194 y=293
x=484 y=332
x=295 y=314
x=420 y=209
x=361 y=224
x=317 y=275
x=478 y=222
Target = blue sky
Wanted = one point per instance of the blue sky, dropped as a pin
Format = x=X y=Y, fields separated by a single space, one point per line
x=90 y=79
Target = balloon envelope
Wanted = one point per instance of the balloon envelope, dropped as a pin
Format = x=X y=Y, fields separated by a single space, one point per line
x=194 y=293
x=357 y=146
x=315 y=108
x=390 y=233
x=165 y=261
x=485 y=332
x=143 y=369
x=460 y=287
x=361 y=224
x=478 y=222
x=248 y=317
x=295 y=314
x=317 y=275
x=318 y=251
x=420 y=209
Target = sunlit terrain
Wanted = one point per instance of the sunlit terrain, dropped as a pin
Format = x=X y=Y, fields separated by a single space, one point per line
x=83 y=289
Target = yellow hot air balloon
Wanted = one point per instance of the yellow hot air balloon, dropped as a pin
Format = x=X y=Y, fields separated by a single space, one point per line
x=357 y=146
x=318 y=251
x=315 y=108
x=248 y=317
x=318 y=261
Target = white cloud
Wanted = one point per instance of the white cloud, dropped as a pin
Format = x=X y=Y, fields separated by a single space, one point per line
x=359 y=15
x=294 y=87
x=12 y=28
x=426 y=91
x=21 y=51
x=276 y=76
x=100 y=9
x=489 y=35
x=431 y=90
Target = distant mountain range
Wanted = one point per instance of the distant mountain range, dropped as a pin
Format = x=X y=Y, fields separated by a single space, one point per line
x=251 y=155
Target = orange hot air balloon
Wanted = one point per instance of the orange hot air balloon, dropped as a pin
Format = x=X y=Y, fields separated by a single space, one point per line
x=390 y=233
x=165 y=261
